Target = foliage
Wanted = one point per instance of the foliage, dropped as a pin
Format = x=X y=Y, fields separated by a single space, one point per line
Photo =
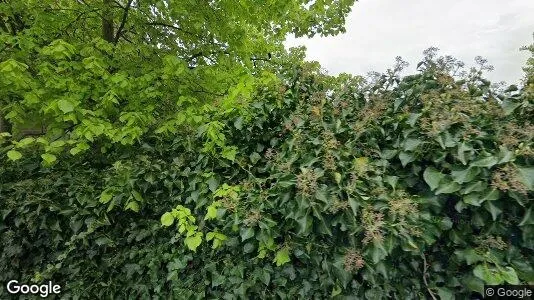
x=401 y=187
x=190 y=170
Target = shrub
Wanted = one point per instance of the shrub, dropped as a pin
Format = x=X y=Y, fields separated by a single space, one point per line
x=403 y=187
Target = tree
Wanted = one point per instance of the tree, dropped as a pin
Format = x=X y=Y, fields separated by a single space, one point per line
x=113 y=70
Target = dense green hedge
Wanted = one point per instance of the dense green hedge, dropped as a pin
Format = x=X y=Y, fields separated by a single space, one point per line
x=403 y=187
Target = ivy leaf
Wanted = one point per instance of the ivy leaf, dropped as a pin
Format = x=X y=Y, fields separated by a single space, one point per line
x=528 y=218
x=487 y=162
x=509 y=275
x=192 y=242
x=466 y=175
x=448 y=188
x=491 y=276
x=212 y=212
x=246 y=233
x=527 y=176
x=445 y=293
x=282 y=257
x=406 y=158
x=49 y=158
x=14 y=155
x=254 y=157
x=432 y=177
x=167 y=219
x=106 y=196
x=132 y=205
x=238 y=124
x=65 y=106
x=229 y=153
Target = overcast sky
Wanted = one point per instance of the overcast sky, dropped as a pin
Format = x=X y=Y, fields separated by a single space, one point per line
x=379 y=30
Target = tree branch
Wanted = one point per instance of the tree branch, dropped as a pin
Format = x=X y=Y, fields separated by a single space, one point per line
x=425 y=269
x=123 y=21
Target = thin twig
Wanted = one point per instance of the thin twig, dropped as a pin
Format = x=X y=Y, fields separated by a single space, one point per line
x=425 y=269
x=123 y=21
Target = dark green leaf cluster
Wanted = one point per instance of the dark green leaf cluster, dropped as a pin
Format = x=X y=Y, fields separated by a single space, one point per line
x=406 y=187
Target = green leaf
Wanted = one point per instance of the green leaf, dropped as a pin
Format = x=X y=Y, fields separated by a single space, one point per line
x=509 y=275
x=213 y=184
x=282 y=257
x=469 y=255
x=106 y=196
x=192 y=242
x=229 y=153
x=487 y=162
x=337 y=177
x=254 y=157
x=406 y=158
x=474 y=284
x=466 y=175
x=167 y=219
x=492 y=209
x=411 y=144
x=527 y=176
x=212 y=213
x=432 y=177
x=445 y=293
x=238 y=124
x=14 y=155
x=132 y=205
x=65 y=106
x=48 y=158
x=246 y=233
x=490 y=276
x=448 y=188
x=528 y=218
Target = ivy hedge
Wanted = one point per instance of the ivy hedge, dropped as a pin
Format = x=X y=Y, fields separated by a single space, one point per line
x=403 y=187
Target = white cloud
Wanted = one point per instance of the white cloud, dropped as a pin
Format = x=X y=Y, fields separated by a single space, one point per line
x=379 y=30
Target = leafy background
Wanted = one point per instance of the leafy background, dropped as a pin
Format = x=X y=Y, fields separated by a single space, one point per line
x=226 y=167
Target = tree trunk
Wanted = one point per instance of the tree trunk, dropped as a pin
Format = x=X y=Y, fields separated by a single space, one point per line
x=107 y=22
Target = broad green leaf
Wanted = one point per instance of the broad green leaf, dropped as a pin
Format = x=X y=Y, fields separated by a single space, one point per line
x=469 y=255
x=448 y=188
x=411 y=144
x=229 y=153
x=282 y=257
x=254 y=157
x=527 y=176
x=132 y=205
x=432 y=177
x=509 y=275
x=65 y=106
x=528 y=218
x=212 y=212
x=246 y=233
x=466 y=175
x=238 y=124
x=213 y=184
x=14 y=155
x=492 y=209
x=167 y=219
x=445 y=294
x=406 y=158
x=48 y=158
x=490 y=276
x=106 y=196
x=192 y=242
x=487 y=162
